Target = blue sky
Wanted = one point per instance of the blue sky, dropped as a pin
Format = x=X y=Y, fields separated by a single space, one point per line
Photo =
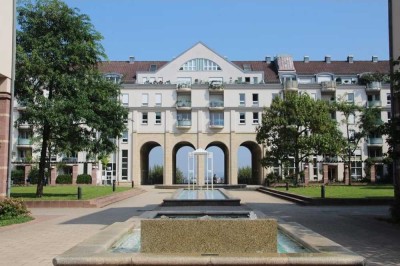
x=240 y=30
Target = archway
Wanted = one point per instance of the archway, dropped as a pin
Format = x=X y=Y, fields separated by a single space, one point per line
x=151 y=158
x=180 y=162
x=221 y=161
x=249 y=158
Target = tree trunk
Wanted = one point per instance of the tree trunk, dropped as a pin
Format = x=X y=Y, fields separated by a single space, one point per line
x=42 y=162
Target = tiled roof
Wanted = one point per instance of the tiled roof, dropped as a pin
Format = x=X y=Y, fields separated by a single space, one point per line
x=128 y=70
x=340 y=67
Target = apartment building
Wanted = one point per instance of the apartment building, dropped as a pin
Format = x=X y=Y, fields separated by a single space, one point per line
x=201 y=99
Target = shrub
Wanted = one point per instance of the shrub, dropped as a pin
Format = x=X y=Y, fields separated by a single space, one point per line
x=10 y=208
x=33 y=176
x=18 y=176
x=64 y=179
x=84 y=179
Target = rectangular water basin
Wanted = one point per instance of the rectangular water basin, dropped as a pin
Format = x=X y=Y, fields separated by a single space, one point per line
x=201 y=197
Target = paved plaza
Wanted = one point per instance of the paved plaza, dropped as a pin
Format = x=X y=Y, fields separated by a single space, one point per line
x=362 y=229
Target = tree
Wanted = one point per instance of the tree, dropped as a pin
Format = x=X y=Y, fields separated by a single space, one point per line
x=68 y=102
x=156 y=174
x=179 y=176
x=296 y=127
x=244 y=175
x=369 y=122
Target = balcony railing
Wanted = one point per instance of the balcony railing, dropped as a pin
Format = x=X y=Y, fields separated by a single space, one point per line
x=183 y=104
x=22 y=141
x=184 y=123
x=217 y=104
x=291 y=85
x=375 y=141
x=374 y=86
x=217 y=123
x=69 y=159
x=328 y=86
x=374 y=103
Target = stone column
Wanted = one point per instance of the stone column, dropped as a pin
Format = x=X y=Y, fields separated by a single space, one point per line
x=373 y=173
x=74 y=173
x=325 y=176
x=167 y=160
x=346 y=174
x=5 y=102
x=94 y=175
x=306 y=174
x=27 y=170
x=53 y=176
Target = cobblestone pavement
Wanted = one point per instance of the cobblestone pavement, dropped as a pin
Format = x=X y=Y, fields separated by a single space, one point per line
x=361 y=229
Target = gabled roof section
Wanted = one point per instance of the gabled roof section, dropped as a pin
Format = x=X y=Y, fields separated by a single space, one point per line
x=270 y=72
x=341 y=67
x=127 y=69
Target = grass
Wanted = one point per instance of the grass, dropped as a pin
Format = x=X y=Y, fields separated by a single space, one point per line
x=349 y=192
x=64 y=192
x=15 y=220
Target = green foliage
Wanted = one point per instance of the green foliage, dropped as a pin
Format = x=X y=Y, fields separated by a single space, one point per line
x=371 y=77
x=33 y=175
x=179 y=176
x=156 y=174
x=297 y=127
x=67 y=100
x=245 y=176
x=64 y=179
x=18 y=176
x=10 y=208
x=83 y=179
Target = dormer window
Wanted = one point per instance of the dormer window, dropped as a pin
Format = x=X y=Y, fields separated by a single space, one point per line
x=200 y=64
x=246 y=67
x=113 y=77
x=324 y=77
x=153 y=68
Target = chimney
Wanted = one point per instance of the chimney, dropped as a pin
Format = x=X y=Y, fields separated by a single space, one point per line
x=327 y=59
x=350 y=59
x=306 y=59
x=268 y=59
x=374 y=59
x=131 y=59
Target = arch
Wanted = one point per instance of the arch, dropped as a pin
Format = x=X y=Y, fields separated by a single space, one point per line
x=200 y=64
x=145 y=163
x=225 y=178
x=175 y=151
x=256 y=169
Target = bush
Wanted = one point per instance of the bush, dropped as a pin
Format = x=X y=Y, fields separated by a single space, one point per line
x=83 y=179
x=10 y=208
x=64 y=179
x=33 y=176
x=18 y=176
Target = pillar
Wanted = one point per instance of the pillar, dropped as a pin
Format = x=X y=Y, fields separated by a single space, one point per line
x=5 y=102
x=27 y=170
x=53 y=176
x=306 y=174
x=325 y=175
x=167 y=149
x=346 y=174
x=373 y=173
x=94 y=175
x=74 y=173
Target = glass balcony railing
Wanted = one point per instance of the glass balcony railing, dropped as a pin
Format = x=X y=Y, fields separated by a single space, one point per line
x=217 y=122
x=216 y=103
x=374 y=103
x=374 y=86
x=375 y=141
x=184 y=123
x=22 y=141
x=183 y=104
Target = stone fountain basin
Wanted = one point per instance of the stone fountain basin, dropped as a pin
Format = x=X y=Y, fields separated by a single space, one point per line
x=97 y=251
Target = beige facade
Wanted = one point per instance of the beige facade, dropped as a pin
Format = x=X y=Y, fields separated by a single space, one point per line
x=6 y=52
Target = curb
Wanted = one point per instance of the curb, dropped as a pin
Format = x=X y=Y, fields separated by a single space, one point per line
x=92 y=203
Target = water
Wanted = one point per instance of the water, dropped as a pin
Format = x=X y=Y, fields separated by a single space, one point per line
x=201 y=194
x=131 y=244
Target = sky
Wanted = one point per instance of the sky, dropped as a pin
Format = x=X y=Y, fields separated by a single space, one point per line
x=240 y=30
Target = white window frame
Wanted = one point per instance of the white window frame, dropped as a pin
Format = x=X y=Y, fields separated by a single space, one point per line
x=255 y=103
x=124 y=164
x=242 y=102
x=388 y=99
x=145 y=99
x=352 y=119
x=145 y=118
x=158 y=118
x=348 y=97
x=125 y=99
x=124 y=137
x=256 y=117
x=158 y=99
x=242 y=118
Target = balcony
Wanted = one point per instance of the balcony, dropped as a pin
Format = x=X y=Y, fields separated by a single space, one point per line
x=217 y=123
x=184 y=124
x=328 y=87
x=24 y=126
x=183 y=105
x=69 y=160
x=216 y=87
x=375 y=142
x=183 y=87
x=374 y=103
x=374 y=87
x=216 y=105
x=24 y=142
x=291 y=85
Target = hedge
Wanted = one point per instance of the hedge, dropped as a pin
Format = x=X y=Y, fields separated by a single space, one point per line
x=64 y=179
x=84 y=179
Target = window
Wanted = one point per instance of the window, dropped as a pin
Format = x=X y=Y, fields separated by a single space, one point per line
x=255 y=80
x=158 y=99
x=125 y=119
x=389 y=116
x=158 y=118
x=255 y=98
x=144 y=80
x=242 y=118
x=125 y=137
x=124 y=166
x=315 y=168
x=375 y=152
x=153 y=68
x=217 y=119
x=145 y=99
x=113 y=77
x=247 y=79
x=350 y=97
x=351 y=135
x=388 y=99
x=255 y=118
x=144 y=118
x=352 y=119
x=246 y=67
x=200 y=64
x=125 y=99
x=356 y=168
x=242 y=99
